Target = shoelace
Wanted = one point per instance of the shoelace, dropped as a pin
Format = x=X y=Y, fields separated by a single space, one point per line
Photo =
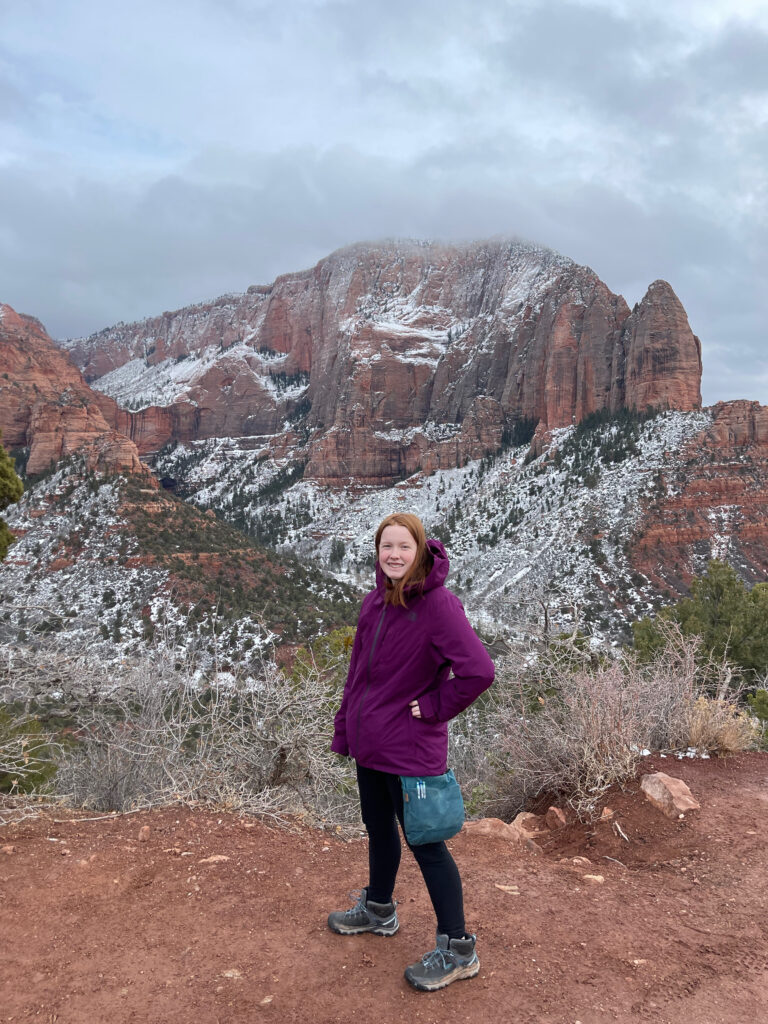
x=359 y=896
x=437 y=957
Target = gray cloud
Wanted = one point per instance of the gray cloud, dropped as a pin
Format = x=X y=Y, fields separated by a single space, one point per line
x=194 y=148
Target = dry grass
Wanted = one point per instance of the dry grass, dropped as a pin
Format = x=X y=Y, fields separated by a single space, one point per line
x=720 y=727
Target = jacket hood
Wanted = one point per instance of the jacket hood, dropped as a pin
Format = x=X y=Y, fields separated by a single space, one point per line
x=435 y=577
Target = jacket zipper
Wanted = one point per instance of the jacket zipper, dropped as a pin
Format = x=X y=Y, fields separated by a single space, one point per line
x=368 y=684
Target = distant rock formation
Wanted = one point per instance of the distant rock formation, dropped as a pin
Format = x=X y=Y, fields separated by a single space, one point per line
x=714 y=506
x=46 y=406
x=388 y=358
x=663 y=356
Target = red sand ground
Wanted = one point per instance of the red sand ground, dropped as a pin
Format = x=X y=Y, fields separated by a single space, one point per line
x=97 y=926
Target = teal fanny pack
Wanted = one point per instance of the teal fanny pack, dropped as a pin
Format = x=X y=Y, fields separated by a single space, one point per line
x=432 y=807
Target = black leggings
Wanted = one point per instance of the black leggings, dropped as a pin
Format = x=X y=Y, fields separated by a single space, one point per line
x=381 y=804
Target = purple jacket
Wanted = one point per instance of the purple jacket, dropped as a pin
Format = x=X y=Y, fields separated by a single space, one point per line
x=404 y=654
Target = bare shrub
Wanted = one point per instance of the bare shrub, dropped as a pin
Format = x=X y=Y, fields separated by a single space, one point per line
x=472 y=740
x=576 y=725
x=255 y=739
x=254 y=743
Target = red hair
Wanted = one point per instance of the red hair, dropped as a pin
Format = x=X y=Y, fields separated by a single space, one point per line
x=422 y=563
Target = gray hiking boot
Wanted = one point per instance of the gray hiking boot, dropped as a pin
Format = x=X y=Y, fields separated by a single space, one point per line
x=365 y=916
x=451 y=960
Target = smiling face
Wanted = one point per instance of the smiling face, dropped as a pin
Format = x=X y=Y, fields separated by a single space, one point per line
x=397 y=551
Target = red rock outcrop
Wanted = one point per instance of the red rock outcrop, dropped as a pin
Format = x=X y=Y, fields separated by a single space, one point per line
x=399 y=342
x=46 y=406
x=663 y=356
x=151 y=428
x=218 y=324
x=714 y=507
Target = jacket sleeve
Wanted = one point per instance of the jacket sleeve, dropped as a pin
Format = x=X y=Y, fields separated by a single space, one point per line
x=339 y=743
x=457 y=644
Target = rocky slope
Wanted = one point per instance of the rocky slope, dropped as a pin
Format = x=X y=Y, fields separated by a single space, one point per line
x=46 y=408
x=109 y=564
x=712 y=504
x=396 y=357
x=610 y=518
x=103 y=555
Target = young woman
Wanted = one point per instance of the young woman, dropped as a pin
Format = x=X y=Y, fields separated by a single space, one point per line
x=416 y=663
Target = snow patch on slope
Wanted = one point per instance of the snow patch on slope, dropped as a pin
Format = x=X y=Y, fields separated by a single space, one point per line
x=551 y=532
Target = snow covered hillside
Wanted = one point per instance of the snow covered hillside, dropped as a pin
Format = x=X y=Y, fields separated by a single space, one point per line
x=527 y=537
x=112 y=565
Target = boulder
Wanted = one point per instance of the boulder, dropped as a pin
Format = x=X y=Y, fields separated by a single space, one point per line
x=555 y=818
x=670 y=795
x=493 y=828
x=530 y=826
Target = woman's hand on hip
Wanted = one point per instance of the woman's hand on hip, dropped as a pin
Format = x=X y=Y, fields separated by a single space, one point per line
x=415 y=709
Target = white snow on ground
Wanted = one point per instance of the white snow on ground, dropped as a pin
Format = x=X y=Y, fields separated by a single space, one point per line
x=520 y=536
x=722 y=519
x=523 y=539
x=68 y=575
x=136 y=385
x=89 y=599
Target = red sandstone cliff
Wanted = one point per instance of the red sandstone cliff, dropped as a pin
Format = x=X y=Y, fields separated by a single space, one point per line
x=46 y=406
x=715 y=504
x=399 y=356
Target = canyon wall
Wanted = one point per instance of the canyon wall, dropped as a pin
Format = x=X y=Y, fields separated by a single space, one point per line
x=47 y=408
x=393 y=357
x=714 y=506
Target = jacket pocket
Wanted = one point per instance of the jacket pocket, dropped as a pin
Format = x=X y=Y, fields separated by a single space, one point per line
x=430 y=746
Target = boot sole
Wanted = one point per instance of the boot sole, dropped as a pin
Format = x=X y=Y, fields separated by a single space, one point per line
x=387 y=932
x=460 y=974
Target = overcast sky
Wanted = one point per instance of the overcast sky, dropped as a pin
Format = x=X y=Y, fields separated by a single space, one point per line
x=161 y=152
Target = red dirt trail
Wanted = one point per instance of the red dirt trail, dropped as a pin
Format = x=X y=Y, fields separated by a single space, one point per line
x=96 y=925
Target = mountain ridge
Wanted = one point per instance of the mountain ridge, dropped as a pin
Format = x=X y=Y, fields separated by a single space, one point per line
x=454 y=344
x=46 y=408
x=484 y=388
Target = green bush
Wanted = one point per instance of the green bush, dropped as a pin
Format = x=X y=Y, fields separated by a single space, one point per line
x=758 y=702
x=26 y=754
x=731 y=620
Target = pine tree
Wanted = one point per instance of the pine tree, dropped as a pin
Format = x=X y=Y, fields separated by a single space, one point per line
x=731 y=620
x=11 y=489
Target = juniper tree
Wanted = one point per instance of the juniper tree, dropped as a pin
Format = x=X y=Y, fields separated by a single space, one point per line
x=731 y=620
x=11 y=489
